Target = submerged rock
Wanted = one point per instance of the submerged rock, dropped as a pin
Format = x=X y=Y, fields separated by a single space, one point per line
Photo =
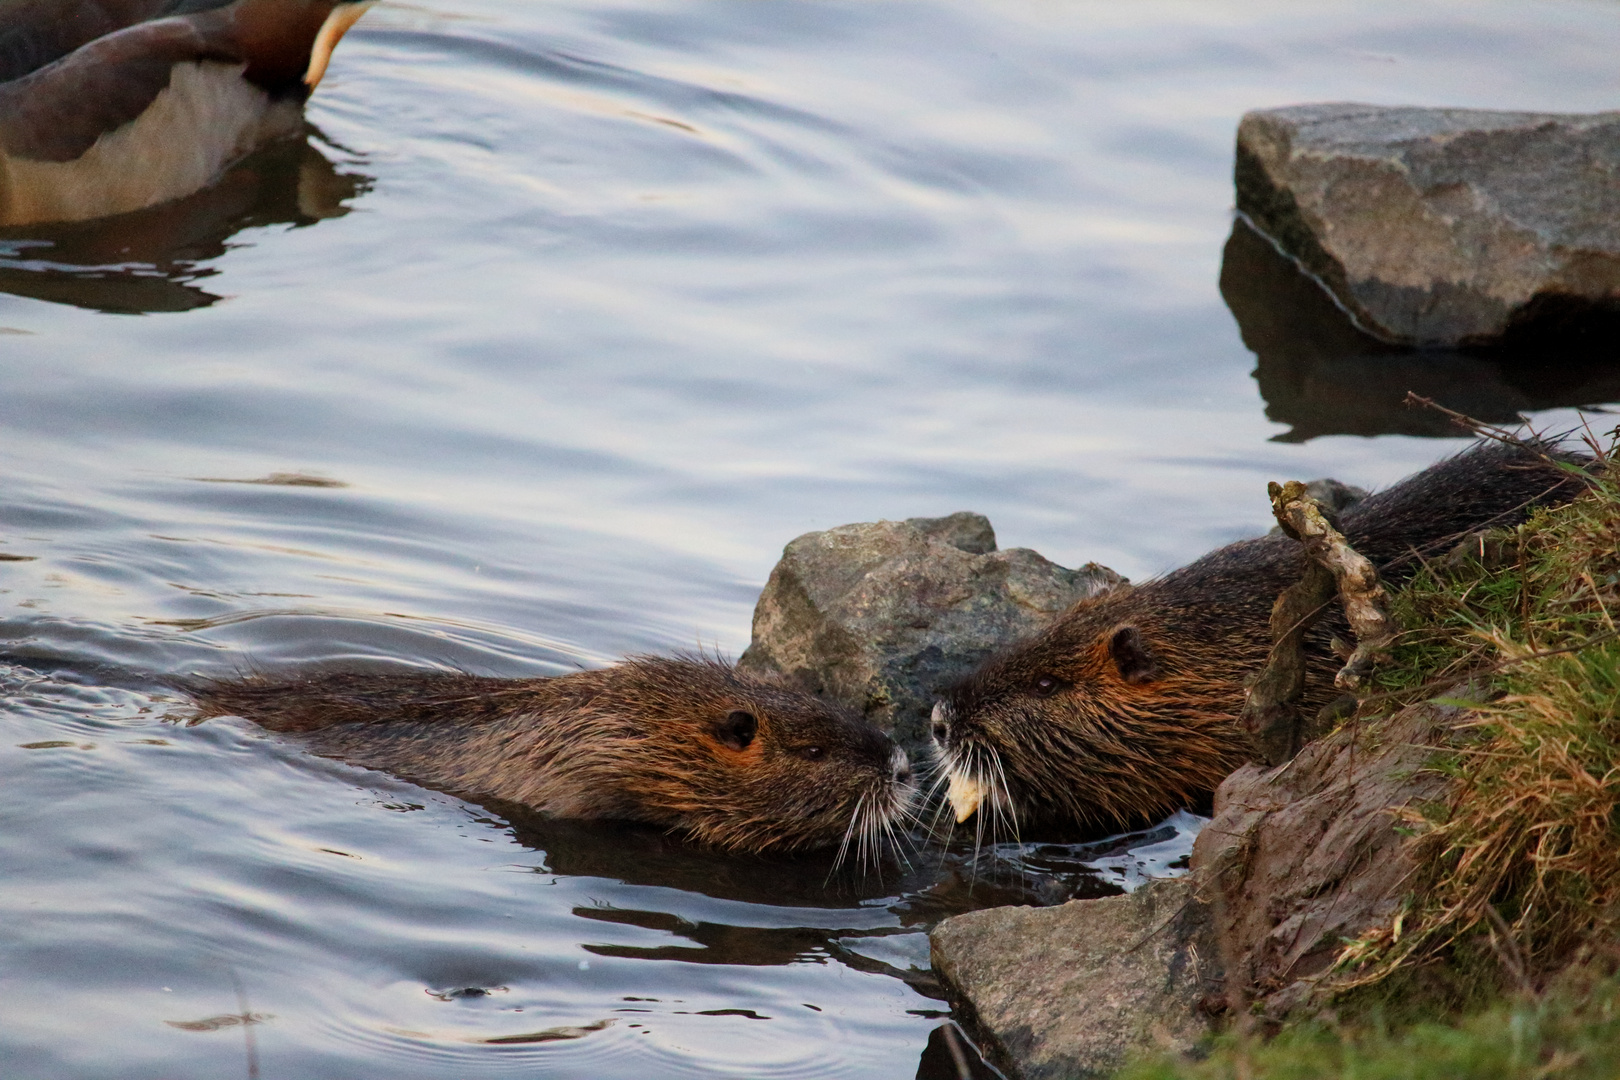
x=1444 y=226
x=880 y=616
x=1070 y=991
x=1303 y=857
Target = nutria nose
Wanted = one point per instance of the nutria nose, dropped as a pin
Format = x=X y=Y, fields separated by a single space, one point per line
x=900 y=767
x=940 y=723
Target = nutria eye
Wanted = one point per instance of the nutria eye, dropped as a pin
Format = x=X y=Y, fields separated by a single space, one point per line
x=1047 y=685
x=811 y=753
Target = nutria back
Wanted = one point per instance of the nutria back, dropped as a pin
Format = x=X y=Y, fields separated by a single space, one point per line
x=1127 y=707
x=685 y=743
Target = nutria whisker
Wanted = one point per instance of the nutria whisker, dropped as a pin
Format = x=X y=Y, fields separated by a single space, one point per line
x=857 y=827
x=897 y=841
x=897 y=824
x=941 y=808
x=942 y=766
x=981 y=777
x=1001 y=804
x=849 y=833
x=870 y=836
x=945 y=765
x=880 y=827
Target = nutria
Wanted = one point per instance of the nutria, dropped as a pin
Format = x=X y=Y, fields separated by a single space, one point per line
x=686 y=743
x=1126 y=707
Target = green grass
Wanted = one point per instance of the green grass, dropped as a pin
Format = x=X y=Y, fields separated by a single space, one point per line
x=1571 y=1032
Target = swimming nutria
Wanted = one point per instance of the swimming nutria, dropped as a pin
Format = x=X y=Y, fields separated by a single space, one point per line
x=689 y=744
x=1126 y=707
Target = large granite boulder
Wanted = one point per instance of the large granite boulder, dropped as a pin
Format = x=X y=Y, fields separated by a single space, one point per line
x=880 y=616
x=1444 y=226
x=1303 y=857
x=1068 y=992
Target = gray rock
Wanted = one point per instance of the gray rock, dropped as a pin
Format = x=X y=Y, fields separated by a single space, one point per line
x=880 y=616
x=1301 y=858
x=1441 y=226
x=1335 y=496
x=1071 y=991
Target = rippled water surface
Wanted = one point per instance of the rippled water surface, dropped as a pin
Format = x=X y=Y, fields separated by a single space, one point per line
x=565 y=318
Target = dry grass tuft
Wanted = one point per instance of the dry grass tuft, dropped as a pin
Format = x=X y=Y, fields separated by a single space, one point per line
x=1526 y=851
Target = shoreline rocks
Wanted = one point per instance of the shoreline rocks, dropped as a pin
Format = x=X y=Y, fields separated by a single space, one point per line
x=880 y=615
x=1303 y=857
x=1444 y=227
x=1298 y=860
x=1071 y=991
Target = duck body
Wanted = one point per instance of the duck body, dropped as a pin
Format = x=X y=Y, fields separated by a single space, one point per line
x=109 y=106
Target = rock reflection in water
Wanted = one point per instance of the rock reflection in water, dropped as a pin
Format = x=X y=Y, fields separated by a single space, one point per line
x=1320 y=373
x=151 y=260
x=951 y=1055
x=927 y=882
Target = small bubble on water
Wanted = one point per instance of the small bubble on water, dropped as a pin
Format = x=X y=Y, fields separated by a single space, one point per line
x=584 y=965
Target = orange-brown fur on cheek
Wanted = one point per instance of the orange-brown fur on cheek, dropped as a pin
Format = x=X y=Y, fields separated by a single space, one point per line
x=1107 y=751
x=636 y=741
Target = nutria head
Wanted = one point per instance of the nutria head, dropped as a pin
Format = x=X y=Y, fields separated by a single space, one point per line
x=688 y=743
x=745 y=763
x=1114 y=714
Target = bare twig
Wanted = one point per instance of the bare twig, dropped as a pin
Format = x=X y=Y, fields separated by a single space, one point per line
x=1366 y=604
x=1506 y=947
x=1269 y=713
x=1332 y=565
x=1535 y=443
x=1464 y=421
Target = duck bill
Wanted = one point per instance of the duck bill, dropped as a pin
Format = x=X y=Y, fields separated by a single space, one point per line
x=965 y=796
x=331 y=32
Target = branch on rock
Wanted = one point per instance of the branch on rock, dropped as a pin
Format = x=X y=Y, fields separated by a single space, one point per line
x=1269 y=714
x=1332 y=565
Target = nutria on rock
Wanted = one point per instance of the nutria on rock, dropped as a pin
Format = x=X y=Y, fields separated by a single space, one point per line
x=1127 y=707
x=680 y=742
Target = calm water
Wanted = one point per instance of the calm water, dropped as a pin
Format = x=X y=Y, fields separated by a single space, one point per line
x=567 y=317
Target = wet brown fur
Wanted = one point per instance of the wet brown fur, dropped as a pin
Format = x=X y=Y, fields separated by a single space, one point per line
x=653 y=739
x=1140 y=716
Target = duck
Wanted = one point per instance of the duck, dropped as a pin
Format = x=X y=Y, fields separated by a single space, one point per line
x=111 y=106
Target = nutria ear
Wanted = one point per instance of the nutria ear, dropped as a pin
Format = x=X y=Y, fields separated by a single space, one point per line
x=737 y=729
x=1132 y=655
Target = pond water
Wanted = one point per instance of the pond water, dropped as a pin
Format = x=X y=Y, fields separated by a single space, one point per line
x=562 y=321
